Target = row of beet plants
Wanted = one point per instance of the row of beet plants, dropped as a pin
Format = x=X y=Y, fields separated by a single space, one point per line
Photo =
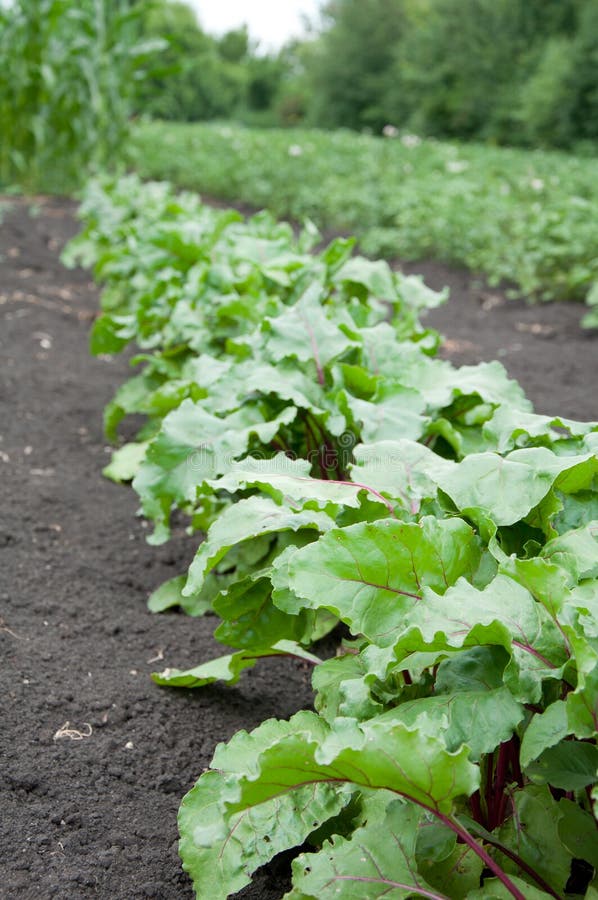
x=296 y=414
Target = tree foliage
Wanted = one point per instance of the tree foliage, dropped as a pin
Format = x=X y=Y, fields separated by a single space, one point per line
x=203 y=77
x=350 y=66
x=199 y=77
x=507 y=70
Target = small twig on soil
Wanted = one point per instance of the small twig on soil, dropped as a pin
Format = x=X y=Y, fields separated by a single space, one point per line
x=65 y=731
x=4 y=627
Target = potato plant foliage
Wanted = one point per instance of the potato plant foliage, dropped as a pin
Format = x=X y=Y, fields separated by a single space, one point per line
x=527 y=218
x=297 y=415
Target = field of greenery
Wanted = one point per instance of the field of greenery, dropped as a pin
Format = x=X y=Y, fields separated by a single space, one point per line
x=296 y=414
x=341 y=481
x=527 y=217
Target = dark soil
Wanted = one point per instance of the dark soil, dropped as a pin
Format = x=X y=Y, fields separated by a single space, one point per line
x=541 y=345
x=96 y=757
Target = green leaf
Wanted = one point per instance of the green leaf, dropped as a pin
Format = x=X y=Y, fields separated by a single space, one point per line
x=131 y=397
x=220 y=851
x=285 y=381
x=371 y=574
x=576 y=551
x=192 y=446
x=228 y=668
x=376 y=277
x=401 y=469
x=373 y=754
x=435 y=842
x=505 y=489
x=532 y=833
x=417 y=293
x=342 y=689
x=544 y=730
x=476 y=669
x=448 y=619
x=504 y=614
x=205 y=443
x=125 y=462
x=394 y=412
x=288 y=480
x=167 y=595
x=582 y=612
x=577 y=510
x=456 y=875
x=110 y=334
x=480 y=719
x=170 y=594
x=577 y=831
x=378 y=861
x=570 y=766
x=442 y=384
x=511 y=428
x=546 y=581
x=291 y=773
x=220 y=847
x=306 y=333
x=248 y=519
x=250 y=619
x=337 y=252
x=582 y=707
x=493 y=889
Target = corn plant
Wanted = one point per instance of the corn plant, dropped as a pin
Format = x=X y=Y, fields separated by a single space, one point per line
x=67 y=78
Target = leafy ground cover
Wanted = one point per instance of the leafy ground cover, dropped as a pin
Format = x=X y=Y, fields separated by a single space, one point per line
x=525 y=217
x=297 y=414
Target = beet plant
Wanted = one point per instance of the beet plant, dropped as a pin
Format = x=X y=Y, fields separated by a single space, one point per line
x=339 y=472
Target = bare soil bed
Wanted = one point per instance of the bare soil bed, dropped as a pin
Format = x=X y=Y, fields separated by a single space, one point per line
x=95 y=757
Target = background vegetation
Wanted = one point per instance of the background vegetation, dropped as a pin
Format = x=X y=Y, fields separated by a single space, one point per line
x=202 y=77
x=517 y=72
x=475 y=73
x=530 y=218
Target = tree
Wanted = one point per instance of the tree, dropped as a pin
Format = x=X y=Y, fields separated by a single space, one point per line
x=352 y=59
x=205 y=77
x=234 y=45
x=584 y=76
x=484 y=68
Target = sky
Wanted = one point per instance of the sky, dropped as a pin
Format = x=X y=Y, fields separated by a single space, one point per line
x=272 y=22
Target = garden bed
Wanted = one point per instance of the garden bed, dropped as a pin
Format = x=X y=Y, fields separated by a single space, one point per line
x=90 y=807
